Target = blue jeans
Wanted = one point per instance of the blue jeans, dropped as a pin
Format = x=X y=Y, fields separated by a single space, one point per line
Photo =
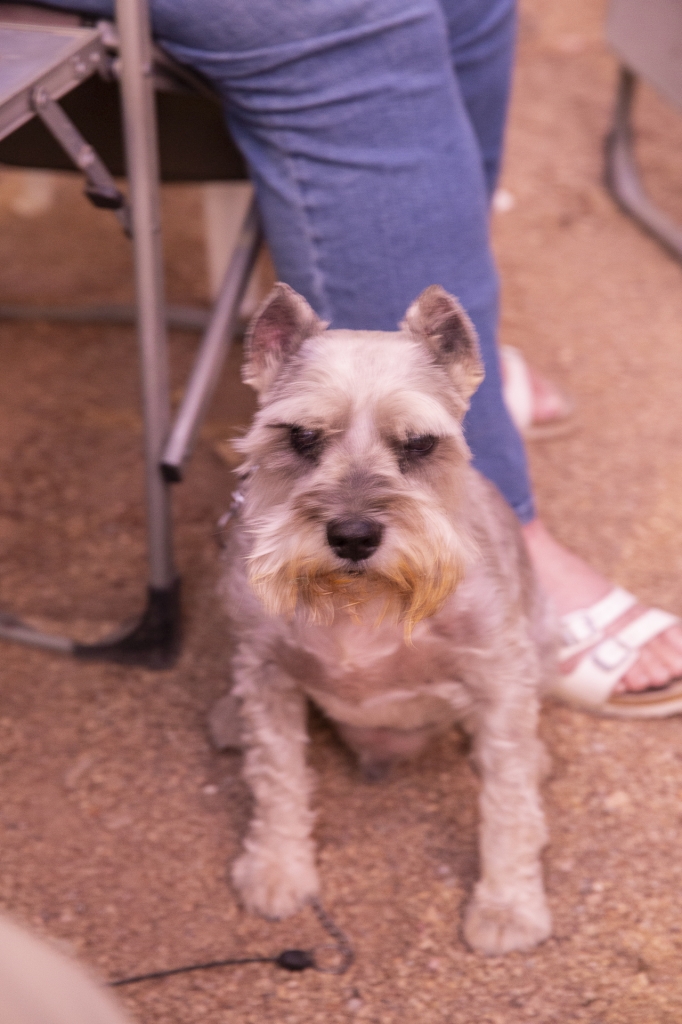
x=373 y=132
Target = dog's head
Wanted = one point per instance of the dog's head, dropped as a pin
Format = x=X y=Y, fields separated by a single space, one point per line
x=355 y=457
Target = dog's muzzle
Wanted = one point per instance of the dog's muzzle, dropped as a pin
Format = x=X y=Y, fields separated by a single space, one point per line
x=354 y=539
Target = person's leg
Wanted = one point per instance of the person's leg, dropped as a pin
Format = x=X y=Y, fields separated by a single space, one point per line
x=368 y=172
x=481 y=38
x=367 y=169
x=482 y=35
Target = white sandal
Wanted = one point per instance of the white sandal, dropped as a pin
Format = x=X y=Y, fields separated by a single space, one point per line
x=590 y=684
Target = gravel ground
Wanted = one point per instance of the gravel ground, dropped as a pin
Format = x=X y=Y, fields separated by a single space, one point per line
x=119 y=820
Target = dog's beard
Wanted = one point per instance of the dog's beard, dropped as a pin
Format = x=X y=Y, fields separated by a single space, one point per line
x=409 y=586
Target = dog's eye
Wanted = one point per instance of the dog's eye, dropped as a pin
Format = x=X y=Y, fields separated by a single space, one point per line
x=305 y=442
x=420 y=445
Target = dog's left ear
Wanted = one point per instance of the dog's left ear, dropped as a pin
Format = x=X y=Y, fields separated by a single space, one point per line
x=278 y=329
x=437 y=319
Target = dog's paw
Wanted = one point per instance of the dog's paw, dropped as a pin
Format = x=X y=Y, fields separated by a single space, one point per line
x=494 y=927
x=276 y=883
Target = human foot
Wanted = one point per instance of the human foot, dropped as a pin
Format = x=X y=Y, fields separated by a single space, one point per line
x=571 y=584
x=536 y=405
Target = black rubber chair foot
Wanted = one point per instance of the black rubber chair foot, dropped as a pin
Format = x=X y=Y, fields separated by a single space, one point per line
x=152 y=641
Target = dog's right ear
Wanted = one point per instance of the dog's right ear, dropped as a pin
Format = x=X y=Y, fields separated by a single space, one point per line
x=278 y=329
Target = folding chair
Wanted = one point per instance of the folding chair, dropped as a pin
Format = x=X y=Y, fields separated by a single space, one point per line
x=647 y=38
x=45 y=57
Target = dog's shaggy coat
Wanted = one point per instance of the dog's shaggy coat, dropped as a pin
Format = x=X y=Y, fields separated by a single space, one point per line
x=372 y=570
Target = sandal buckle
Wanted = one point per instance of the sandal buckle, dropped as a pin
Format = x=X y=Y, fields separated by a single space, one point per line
x=611 y=653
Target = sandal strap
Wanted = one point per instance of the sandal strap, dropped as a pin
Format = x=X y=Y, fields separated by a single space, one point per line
x=613 y=651
x=593 y=679
x=580 y=629
x=643 y=629
x=591 y=682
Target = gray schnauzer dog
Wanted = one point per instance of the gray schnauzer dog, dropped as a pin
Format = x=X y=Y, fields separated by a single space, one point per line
x=373 y=571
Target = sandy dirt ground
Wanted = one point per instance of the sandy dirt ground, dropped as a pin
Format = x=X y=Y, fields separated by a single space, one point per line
x=118 y=820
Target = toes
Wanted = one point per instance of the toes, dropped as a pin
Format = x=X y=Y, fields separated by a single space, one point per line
x=658 y=663
x=276 y=882
x=494 y=928
x=655 y=667
x=666 y=648
x=639 y=676
x=673 y=639
x=669 y=648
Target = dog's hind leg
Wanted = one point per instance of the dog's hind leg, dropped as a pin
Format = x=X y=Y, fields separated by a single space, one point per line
x=276 y=874
x=508 y=910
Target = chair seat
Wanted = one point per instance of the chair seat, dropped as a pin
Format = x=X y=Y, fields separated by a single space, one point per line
x=60 y=57
x=55 y=59
x=647 y=37
x=193 y=142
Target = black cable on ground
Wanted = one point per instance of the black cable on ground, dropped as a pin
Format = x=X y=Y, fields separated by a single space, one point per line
x=288 y=959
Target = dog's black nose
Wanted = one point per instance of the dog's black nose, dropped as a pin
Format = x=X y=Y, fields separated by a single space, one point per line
x=355 y=539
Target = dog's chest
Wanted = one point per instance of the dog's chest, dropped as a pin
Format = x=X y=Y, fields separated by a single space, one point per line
x=366 y=674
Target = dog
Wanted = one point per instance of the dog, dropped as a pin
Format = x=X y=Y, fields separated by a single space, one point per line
x=373 y=571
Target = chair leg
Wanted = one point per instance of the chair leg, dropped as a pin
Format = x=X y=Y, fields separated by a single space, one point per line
x=213 y=349
x=155 y=639
x=622 y=176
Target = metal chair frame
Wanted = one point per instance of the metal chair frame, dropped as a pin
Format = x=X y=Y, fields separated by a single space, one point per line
x=646 y=38
x=622 y=175
x=128 y=53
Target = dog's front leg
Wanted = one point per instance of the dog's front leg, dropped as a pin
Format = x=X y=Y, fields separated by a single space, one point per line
x=508 y=910
x=276 y=874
